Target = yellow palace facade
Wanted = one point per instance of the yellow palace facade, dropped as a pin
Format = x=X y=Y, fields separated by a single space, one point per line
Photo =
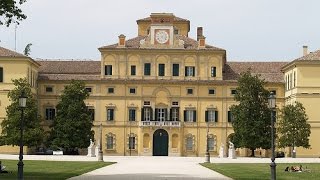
x=161 y=93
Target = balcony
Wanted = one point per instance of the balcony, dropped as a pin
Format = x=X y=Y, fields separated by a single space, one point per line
x=160 y=124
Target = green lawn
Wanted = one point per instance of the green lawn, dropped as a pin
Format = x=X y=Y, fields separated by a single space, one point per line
x=37 y=170
x=262 y=171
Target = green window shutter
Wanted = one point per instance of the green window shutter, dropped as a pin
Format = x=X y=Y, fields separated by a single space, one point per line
x=111 y=114
x=175 y=70
x=151 y=114
x=166 y=114
x=142 y=114
x=193 y=70
x=161 y=70
x=206 y=116
x=1 y=74
x=147 y=69
x=156 y=114
x=216 y=116
x=194 y=116
x=185 y=71
x=170 y=114
x=184 y=115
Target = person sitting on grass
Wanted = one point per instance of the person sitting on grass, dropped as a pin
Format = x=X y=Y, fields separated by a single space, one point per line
x=2 y=168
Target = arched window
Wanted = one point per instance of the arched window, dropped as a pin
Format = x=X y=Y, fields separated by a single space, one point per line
x=190 y=142
x=212 y=142
x=111 y=141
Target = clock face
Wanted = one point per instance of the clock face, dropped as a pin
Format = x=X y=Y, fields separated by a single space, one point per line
x=162 y=36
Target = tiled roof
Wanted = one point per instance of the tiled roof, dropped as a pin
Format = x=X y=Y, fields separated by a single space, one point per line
x=189 y=44
x=90 y=70
x=313 y=56
x=69 y=67
x=9 y=53
x=175 y=19
x=269 y=71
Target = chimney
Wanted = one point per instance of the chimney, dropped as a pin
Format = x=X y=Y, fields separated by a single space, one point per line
x=199 y=32
x=122 y=41
x=305 y=50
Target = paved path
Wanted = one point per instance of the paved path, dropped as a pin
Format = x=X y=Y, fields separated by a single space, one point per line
x=152 y=168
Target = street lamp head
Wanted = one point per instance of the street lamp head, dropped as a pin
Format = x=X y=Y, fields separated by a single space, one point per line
x=22 y=100
x=272 y=101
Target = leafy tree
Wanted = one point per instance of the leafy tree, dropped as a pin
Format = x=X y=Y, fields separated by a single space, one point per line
x=72 y=126
x=251 y=117
x=27 y=49
x=33 y=132
x=11 y=12
x=293 y=128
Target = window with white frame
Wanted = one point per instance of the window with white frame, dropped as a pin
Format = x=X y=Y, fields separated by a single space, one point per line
x=132 y=141
x=211 y=115
x=190 y=116
x=110 y=114
x=132 y=115
x=174 y=114
x=50 y=113
x=161 y=114
x=146 y=114
x=189 y=71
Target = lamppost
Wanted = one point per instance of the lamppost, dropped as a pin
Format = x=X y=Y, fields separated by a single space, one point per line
x=272 y=106
x=22 y=105
x=207 y=156
x=100 y=152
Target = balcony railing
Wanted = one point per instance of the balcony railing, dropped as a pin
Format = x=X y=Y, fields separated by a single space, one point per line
x=160 y=123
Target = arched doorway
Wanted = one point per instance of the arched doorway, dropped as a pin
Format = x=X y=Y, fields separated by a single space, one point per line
x=160 y=143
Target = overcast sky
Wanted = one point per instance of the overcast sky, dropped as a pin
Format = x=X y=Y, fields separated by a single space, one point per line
x=250 y=30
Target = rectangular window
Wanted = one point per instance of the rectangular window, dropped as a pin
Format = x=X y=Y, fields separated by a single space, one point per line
x=161 y=114
x=211 y=116
x=49 y=89
x=161 y=70
x=110 y=90
x=110 y=142
x=132 y=142
x=189 y=71
x=147 y=69
x=132 y=90
x=189 y=91
x=133 y=70
x=211 y=143
x=229 y=117
x=89 y=89
x=175 y=103
x=110 y=114
x=175 y=70
x=190 y=116
x=211 y=91
x=147 y=112
x=50 y=113
x=91 y=112
x=233 y=91
x=174 y=114
x=1 y=74
x=213 y=71
x=132 y=115
x=146 y=103
x=189 y=144
x=108 y=70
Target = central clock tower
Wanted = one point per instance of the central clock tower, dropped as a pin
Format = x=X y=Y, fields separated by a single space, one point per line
x=161 y=29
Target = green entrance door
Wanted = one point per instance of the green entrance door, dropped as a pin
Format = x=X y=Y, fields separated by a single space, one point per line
x=160 y=142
